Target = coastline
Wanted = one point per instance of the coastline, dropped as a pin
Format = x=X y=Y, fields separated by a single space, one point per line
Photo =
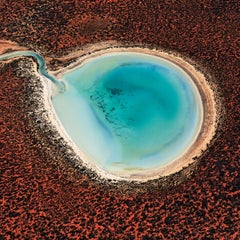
x=206 y=132
x=204 y=137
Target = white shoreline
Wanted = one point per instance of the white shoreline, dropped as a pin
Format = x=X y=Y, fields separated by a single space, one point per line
x=206 y=132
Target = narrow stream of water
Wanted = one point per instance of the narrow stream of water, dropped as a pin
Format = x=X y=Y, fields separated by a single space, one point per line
x=41 y=65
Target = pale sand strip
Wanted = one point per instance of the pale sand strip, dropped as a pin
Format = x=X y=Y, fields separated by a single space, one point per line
x=8 y=46
x=207 y=130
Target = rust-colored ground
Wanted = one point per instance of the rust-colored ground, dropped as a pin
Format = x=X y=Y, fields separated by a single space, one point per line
x=43 y=197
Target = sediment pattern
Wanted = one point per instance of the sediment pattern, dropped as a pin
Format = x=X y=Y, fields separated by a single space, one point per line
x=42 y=194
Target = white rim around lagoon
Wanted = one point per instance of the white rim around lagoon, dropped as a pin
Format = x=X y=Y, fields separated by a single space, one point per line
x=208 y=98
x=204 y=136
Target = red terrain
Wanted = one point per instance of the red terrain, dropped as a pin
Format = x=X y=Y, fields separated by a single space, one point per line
x=42 y=196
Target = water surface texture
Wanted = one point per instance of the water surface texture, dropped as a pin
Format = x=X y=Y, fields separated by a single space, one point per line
x=129 y=112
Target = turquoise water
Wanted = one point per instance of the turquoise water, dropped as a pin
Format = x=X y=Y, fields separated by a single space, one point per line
x=129 y=111
x=126 y=111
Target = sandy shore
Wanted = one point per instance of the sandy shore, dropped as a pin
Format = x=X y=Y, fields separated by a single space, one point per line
x=8 y=46
x=209 y=108
x=206 y=131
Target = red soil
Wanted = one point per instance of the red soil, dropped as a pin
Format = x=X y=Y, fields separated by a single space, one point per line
x=41 y=198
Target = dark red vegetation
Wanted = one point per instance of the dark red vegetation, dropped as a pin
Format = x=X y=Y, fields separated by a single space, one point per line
x=44 y=197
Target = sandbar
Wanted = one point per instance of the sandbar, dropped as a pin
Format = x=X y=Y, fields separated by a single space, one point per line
x=9 y=46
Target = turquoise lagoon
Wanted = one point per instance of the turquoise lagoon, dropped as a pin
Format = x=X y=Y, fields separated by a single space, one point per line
x=129 y=112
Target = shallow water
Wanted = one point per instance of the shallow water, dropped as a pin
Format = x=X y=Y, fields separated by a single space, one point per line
x=130 y=111
x=126 y=111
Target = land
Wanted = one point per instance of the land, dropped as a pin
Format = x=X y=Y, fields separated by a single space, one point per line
x=44 y=195
x=9 y=46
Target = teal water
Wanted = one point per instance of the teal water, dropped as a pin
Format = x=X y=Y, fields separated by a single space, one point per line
x=130 y=111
